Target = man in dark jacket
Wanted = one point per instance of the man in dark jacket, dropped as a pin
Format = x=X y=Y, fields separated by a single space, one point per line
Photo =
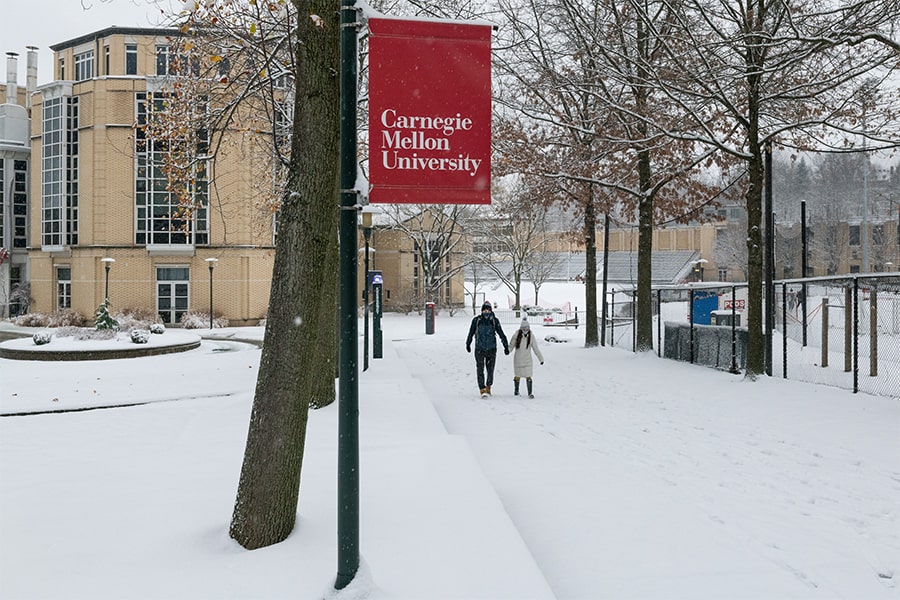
x=484 y=329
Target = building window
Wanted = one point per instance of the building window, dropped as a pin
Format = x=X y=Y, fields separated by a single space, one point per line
x=84 y=66
x=878 y=237
x=854 y=235
x=62 y=69
x=63 y=288
x=2 y=205
x=161 y=217
x=20 y=204
x=162 y=60
x=19 y=292
x=172 y=292
x=131 y=58
x=723 y=273
x=59 y=172
x=169 y=63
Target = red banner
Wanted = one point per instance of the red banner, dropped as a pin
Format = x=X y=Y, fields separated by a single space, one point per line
x=429 y=112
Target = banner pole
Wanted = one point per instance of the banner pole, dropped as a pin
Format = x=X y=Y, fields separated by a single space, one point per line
x=348 y=384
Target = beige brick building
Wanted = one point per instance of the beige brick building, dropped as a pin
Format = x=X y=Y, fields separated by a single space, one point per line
x=98 y=192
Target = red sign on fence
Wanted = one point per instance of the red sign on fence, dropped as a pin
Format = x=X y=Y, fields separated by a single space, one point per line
x=429 y=112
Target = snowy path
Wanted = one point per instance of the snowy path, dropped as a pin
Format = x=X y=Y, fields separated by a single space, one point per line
x=718 y=488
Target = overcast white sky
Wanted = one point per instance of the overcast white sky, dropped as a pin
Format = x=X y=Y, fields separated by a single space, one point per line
x=43 y=23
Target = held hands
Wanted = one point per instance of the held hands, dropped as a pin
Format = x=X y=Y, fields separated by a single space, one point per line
x=468 y=347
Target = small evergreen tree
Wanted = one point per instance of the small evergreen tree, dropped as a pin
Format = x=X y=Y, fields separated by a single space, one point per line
x=103 y=320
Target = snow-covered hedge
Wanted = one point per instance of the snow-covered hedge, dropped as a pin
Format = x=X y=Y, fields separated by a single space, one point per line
x=157 y=328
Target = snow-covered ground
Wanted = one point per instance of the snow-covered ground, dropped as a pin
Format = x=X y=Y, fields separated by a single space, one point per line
x=628 y=476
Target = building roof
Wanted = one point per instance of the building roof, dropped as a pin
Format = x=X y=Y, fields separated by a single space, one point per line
x=667 y=267
x=114 y=30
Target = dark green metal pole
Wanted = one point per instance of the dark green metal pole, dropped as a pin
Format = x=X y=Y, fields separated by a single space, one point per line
x=348 y=385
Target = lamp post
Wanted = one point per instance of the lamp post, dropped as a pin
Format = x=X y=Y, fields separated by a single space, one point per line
x=107 y=263
x=212 y=263
x=698 y=267
x=367 y=234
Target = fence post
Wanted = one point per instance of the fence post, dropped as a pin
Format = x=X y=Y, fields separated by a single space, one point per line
x=659 y=323
x=848 y=330
x=873 y=332
x=734 y=365
x=691 y=319
x=855 y=335
x=612 y=320
x=824 y=332
x=784 y=326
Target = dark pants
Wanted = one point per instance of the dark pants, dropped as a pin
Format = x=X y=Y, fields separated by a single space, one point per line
x=484 y=361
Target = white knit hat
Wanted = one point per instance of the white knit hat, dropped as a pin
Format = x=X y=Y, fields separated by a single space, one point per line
x=525 y=324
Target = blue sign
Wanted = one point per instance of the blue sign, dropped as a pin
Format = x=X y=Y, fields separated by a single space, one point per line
x=377 y=278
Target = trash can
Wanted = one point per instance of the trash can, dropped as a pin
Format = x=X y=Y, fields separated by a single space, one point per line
x=429 y=318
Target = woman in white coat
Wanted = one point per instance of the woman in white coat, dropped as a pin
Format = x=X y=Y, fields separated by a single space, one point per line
x=524 y=343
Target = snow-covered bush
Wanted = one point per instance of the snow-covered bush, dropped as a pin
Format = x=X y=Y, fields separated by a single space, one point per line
x=42 y=337
x=32 y=320
x=140 y=336
x=157 y=328
x=61 y=318
x=195 y=319
x=136 y=318
x=67 y=318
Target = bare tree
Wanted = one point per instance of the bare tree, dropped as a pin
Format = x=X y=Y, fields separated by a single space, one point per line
x=587 y=71
x=511 y=235
x=438 y=245
x=778 y=73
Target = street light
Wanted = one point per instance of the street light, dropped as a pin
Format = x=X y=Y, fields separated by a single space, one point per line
x=107 y=265
x=212 y=263
x=698 y=267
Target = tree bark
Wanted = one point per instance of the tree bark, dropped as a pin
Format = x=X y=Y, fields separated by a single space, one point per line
x=644 y=332
x=297 y=364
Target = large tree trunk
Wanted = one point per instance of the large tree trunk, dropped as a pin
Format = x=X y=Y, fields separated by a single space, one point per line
x=297 y=365
x=591 y=335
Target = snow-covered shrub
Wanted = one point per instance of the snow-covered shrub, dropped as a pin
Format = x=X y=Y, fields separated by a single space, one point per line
x=102 y=318
x=195 y=319
x=67 y=318
x=136 y=318
x=140 y=336
x=157 y=328
x=42 y=337
x=32 y=320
